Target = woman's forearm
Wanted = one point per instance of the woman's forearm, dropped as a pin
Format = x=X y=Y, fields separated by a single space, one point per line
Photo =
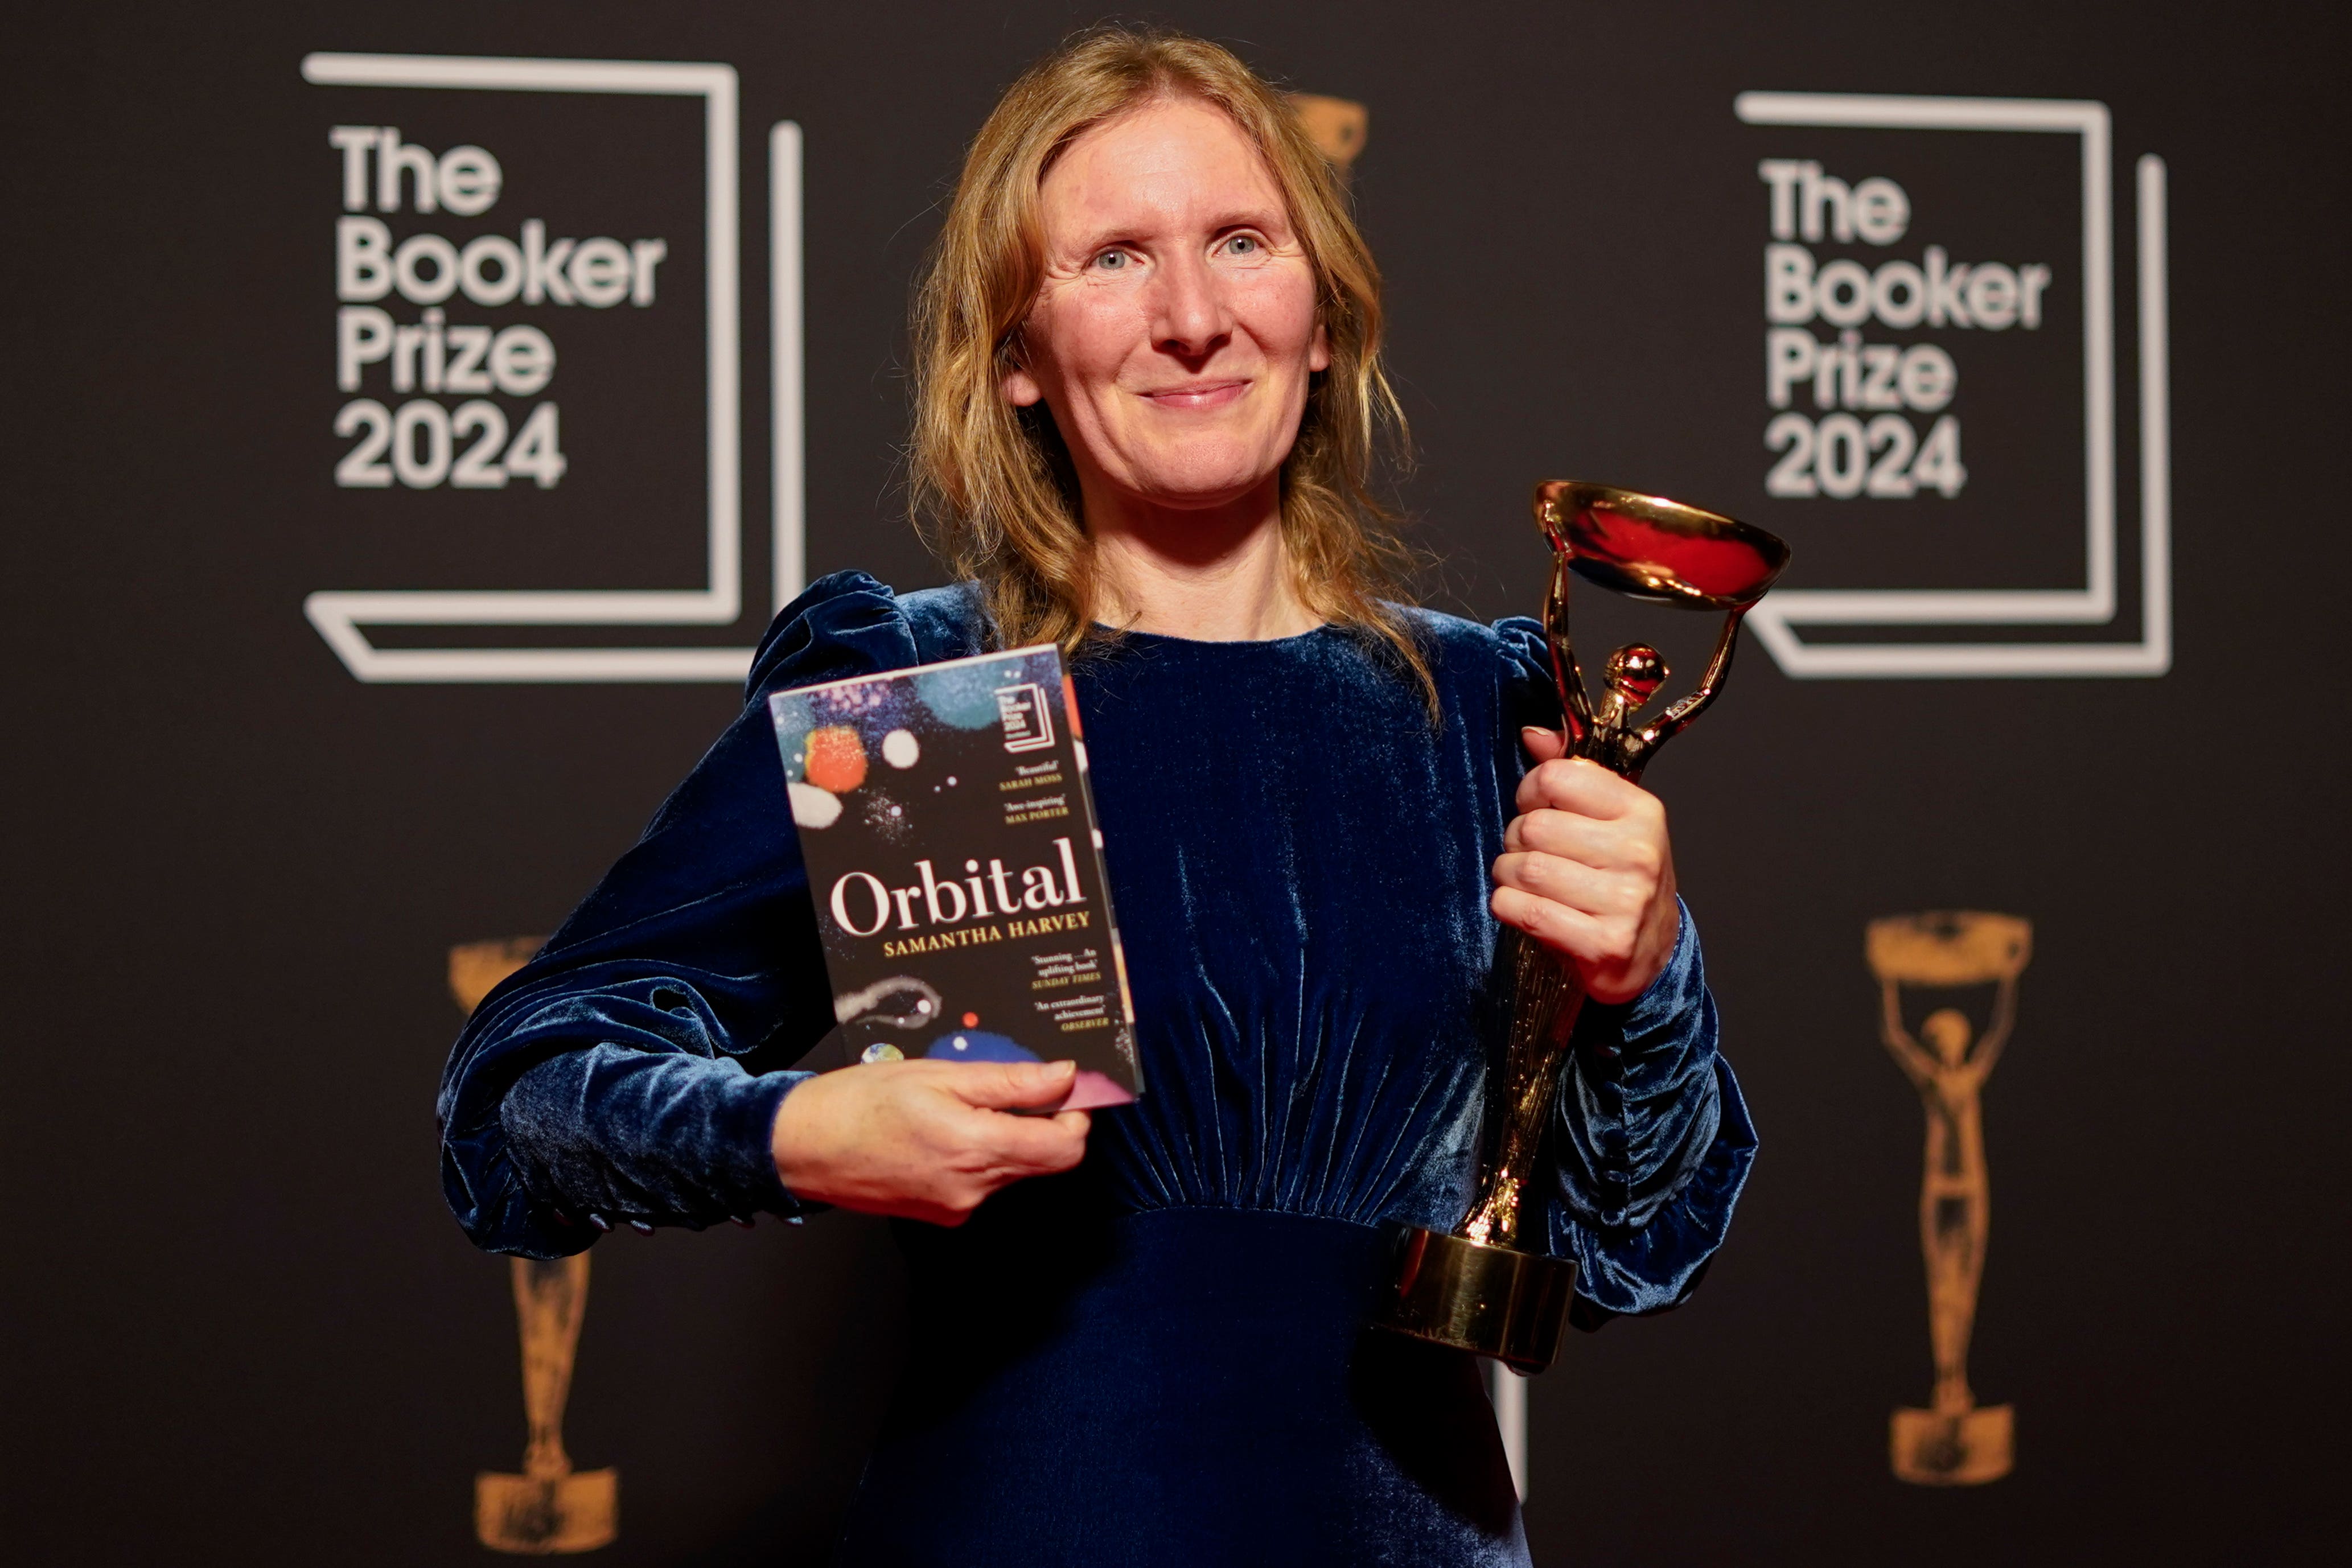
x=1654 y=1143
x=610 y=1137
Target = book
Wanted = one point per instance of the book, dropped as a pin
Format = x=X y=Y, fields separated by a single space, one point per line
x=957 y=871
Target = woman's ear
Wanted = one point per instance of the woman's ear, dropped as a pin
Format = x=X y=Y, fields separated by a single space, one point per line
x=1021 y=388
x=1318 y=353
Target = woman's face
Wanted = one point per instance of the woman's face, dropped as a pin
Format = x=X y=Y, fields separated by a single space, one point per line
x=1175 y=330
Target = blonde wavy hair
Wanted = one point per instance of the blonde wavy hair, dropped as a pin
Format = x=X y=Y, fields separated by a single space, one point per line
x=994 y=491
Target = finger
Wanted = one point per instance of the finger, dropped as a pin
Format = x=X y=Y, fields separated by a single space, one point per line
x=1606 y=845
x=1010 y=1085
x=1031 y=1146
x=1580 y=785
x=1588 y=939
x=1543 y=745
x=1570 y=883
x=1634 y=847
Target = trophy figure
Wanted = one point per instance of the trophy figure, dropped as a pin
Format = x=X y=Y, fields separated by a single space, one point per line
x=549 y=1508
x=1473 y=1288
x=1953 y=1442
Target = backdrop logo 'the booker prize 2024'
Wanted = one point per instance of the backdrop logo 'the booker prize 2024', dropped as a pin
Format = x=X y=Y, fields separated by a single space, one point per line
x=1939 y=388
x=536 y=362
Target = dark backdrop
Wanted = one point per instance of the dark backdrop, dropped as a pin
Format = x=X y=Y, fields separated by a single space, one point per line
x=242 y=1328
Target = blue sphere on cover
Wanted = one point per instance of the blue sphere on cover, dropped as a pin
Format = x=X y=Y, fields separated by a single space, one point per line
x=978 y=1045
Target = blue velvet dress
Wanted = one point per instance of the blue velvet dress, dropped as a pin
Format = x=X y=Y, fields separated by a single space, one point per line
x=1161 y=1357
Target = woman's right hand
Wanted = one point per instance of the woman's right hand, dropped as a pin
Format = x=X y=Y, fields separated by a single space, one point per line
x=925 y=1140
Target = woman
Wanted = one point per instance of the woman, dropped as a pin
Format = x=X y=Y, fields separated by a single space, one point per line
x=1149 y=386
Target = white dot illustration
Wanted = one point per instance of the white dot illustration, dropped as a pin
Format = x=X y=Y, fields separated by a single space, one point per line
x=813 y=807
x=900 y=749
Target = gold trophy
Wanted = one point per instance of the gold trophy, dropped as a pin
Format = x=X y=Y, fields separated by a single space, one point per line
x=549 y=1508
x=1472 y=1288
x=1954 y=1442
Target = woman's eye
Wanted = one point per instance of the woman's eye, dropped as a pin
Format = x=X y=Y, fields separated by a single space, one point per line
x=1244 y=244
x=1112 y=260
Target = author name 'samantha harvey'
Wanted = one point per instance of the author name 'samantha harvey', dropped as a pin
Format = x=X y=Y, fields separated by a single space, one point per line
x=974 y=935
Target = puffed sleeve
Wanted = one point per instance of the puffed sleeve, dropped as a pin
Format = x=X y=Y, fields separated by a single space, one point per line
x=631 y=1071
x=1652 y=1142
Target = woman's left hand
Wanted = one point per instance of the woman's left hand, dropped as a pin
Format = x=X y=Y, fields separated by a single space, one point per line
x=1588 y=870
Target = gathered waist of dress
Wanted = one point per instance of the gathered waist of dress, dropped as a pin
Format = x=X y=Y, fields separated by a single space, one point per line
x=1028 y=1275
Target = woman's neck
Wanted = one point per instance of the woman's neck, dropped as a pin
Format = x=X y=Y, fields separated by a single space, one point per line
x=1214 y=574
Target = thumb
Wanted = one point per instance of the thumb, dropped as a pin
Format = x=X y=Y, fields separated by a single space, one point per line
x=1014 y=1085
x=1543 y=745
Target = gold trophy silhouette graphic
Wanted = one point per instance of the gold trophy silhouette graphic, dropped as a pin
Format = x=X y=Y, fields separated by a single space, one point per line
x=549 y=1508
x=1336 y=126
x=1953 y=1442
x=1472 y=1288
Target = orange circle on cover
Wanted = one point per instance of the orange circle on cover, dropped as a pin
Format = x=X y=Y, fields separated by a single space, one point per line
x=836 y=758
x=970 y=1020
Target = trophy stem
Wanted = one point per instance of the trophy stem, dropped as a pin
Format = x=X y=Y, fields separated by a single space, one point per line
x=550 y=1301
x=1548 y=994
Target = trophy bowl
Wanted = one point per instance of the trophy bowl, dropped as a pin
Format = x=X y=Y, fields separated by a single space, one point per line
x=1649 y=548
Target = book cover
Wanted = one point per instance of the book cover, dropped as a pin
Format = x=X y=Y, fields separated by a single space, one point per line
x=956 y=868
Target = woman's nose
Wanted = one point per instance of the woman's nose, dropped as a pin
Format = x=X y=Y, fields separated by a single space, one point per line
x=1192 y=319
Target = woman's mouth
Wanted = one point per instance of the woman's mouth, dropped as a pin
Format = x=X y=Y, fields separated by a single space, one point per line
x=1199 y=395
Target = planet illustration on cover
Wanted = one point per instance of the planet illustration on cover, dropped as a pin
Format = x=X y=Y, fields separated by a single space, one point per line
x=979 y=1045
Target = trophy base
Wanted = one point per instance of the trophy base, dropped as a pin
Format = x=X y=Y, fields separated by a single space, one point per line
x=1962 y=1448
x=1487 y=1299
x=542 y=1515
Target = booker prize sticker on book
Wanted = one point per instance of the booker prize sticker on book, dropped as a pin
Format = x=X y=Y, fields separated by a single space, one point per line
x=956 y=868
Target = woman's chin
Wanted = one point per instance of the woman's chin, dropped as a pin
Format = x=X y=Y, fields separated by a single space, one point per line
x=1204 y=482
x=1196 y=499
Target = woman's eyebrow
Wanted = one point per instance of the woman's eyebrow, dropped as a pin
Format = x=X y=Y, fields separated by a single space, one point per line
x=1109 y=236
x=1256 y=216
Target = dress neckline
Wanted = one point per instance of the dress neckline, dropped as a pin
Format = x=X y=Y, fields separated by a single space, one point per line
x=1167 y=639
